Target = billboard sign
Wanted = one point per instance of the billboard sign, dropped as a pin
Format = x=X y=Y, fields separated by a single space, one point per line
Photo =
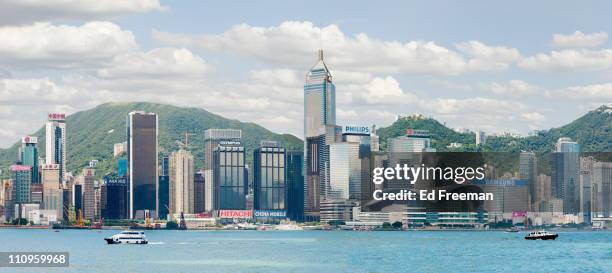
x=519 y=213
x=51 y=167
x=236 y=214
x=356 y=130
x=115 y=181
x=281 y=214
x=57 y=116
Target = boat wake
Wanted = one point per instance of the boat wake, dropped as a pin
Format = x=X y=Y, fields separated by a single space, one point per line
x=157 y=243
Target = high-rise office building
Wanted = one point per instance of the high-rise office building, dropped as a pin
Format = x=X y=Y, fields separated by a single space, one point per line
x=142 y=130
x=53 y=195
x=565 y=174
x=163 y=196
x=528 y=170
x=602 y=189
x=229 y=176
x=77 y=200
x=319 y=112
x=212 y=138
x=88 y=194
x=345 y=172
x=29 y=156
x=407 y=149
x=363 y=136
x=22 y=179
x=209 y=190
x=55 y=142
x=269 y=176
x=199 y=192
x=294 y=185
x=114 y=198
x=181 y=182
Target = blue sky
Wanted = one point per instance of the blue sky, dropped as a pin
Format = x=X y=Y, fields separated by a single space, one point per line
x=496 y=66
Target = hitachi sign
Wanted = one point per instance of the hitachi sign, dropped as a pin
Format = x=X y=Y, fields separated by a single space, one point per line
x=356 y=130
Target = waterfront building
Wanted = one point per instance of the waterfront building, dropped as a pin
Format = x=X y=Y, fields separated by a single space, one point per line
x=181 y=173
x=209 y=191
x=199 y=192
x=336 y=210
x=29 y=156
x=345 y=171
x=88 y=200
x=269 y=176
x=319 y=112
x=164 y=196
x=294 y=185
x=212 y=138
x=602 y=190
x=142 y=130
x=229 y=176
x=53 y=195
x=407 y=149
x=114 y=198
x=528 y=170
x=22 y=179
x=565 y=174
x=77 y=199
x=55 y=142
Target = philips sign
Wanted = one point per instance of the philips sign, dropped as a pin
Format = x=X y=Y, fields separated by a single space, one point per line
x=356 y=130
x=270 y=214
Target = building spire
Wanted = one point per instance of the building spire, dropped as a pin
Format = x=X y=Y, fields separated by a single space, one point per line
x=320 y=54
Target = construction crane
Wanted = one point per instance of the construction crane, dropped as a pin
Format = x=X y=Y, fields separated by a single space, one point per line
x=185 y=144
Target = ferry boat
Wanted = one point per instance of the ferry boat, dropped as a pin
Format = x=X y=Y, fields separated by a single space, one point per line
x=128 y=237
x=541 y=235
x=512 y=229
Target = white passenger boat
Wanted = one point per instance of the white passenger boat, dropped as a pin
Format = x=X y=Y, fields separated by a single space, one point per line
x=541 y=235
x=128 y=237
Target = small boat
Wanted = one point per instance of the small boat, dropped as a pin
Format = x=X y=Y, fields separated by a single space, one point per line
x=512 y=229
x=128 y=237
x=541 y=235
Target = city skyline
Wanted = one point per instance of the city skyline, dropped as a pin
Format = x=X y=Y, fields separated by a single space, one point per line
x=517 y=85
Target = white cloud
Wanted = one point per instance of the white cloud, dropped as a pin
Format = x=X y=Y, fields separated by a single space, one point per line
x=579 y=40
x=570 y=60
x=156 y=63
x=28 y=11
x=293 y=44
x=514 y=88
x=386 y=91
x=596 y=92
x=61 y=46
x=486 y=58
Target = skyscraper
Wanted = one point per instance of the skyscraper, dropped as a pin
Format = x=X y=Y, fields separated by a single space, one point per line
x=142 y=130
x=199 y=192
x=29 y=155
x=22 y=178
x=269 y=176
x=212 y=138
x=181 y=182
x=55 y=142
x=52 y=192
x=294 y=185
x=114 y=198
x=565 y=179
x=229 y=176
x=319 y=111
x=88 y=194
x=528 y=170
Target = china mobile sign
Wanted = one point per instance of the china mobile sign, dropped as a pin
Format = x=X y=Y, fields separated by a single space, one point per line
x=236 y=214
x=270 y=214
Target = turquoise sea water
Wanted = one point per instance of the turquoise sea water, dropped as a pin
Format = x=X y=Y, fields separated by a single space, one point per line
x=318 y=251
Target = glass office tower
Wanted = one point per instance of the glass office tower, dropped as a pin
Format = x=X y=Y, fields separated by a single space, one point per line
x=230 y=182
x=269 y=176
x=319 y=111
x=142 y=130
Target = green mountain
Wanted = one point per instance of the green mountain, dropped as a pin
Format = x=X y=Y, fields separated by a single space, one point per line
x=593 y=132
x=92 y=133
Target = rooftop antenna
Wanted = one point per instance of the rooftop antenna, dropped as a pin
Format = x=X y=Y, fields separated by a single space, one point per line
x=320 y=44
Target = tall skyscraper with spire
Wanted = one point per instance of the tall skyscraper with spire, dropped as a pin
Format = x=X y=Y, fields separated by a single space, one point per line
x=319 y=121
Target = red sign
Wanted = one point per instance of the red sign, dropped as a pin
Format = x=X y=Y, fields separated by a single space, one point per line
x=57 y=116
x=236 y=214
x=51 y=167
